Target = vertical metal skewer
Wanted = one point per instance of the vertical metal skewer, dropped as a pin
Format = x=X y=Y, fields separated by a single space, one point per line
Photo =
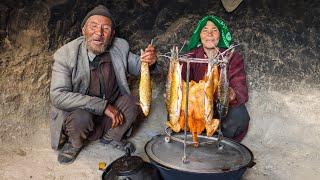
x=220 y=135
x=184 y=159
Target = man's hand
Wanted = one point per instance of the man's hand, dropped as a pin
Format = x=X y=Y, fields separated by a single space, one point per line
x=150 y=55
x=232 y=95
x=115 y=115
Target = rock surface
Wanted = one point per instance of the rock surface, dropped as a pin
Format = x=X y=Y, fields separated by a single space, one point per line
x=278 y=39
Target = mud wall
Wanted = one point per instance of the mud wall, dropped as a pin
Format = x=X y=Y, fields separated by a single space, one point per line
x=278 y=39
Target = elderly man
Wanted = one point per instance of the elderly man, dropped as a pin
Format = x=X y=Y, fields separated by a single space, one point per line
x=89 y=90
x=210 y=36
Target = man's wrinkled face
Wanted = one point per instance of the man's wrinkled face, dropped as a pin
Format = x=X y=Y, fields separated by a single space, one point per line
x=98 y=33
x=210 y=35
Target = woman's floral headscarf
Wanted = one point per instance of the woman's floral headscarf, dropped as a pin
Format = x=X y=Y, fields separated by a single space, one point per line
x=225 y=35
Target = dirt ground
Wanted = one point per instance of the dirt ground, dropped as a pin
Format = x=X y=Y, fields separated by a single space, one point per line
x=284 y=137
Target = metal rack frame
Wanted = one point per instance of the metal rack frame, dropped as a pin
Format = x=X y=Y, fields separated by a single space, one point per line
x=219 y=60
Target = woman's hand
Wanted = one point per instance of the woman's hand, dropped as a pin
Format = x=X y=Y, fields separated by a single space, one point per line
x=232 y=95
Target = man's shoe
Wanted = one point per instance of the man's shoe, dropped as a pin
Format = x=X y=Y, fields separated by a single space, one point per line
x=121 y=145
x=68 y=153
x=106 y=139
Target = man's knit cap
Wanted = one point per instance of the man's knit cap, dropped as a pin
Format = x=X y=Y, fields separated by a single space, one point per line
x=98 y=10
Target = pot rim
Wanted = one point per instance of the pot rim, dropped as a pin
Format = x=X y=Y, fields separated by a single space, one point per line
x=250 y=164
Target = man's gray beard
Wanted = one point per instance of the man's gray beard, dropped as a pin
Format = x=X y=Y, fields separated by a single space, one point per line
x=96 y=51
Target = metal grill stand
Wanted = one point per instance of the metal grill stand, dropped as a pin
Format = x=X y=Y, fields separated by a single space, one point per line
x=222 y=61
x=168 y=131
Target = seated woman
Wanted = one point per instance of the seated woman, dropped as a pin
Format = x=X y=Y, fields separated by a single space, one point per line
x=210 y=36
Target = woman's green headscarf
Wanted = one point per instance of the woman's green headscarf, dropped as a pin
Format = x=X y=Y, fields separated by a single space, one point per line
x=225 y=35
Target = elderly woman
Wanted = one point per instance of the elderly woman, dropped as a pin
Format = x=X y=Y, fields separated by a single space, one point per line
x=210 y=36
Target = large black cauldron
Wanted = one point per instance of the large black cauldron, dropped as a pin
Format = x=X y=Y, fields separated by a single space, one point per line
x=205 y=162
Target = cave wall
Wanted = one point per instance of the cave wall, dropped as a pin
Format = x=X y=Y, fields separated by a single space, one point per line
x=278 y=39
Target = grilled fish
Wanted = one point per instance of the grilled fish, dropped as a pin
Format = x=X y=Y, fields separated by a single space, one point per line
x=175 y=96
x=168 y=84
x=145 y=90
x=223 y=85
x=211 y=85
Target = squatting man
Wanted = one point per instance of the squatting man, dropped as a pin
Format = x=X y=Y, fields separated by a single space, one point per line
x=89 y=89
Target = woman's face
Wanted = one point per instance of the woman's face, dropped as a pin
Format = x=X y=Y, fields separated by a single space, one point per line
x=209 y=35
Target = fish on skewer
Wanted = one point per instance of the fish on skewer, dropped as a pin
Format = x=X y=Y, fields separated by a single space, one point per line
x=223 y=85
x=183 y=103
x=169 y=80
x=175 y=94
x=145 y=88
x=211 y=84
x=223 y=92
